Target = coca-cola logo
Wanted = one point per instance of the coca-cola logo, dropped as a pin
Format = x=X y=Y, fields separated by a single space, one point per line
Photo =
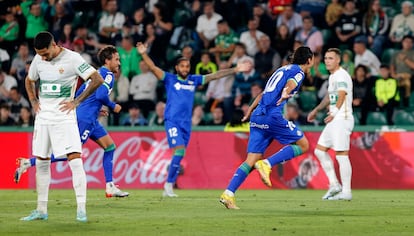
x=137 y=160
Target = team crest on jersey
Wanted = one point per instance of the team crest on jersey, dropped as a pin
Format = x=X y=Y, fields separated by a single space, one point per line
x=61 y=70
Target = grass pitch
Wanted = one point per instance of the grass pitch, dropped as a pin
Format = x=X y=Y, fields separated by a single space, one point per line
x=198 y=212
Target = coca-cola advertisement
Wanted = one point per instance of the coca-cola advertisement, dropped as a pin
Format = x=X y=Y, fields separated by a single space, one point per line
x=380 y=160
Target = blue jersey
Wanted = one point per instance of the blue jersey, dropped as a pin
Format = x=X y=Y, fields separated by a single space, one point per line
x=180 y=95
x=276 y=84
x=89 y=109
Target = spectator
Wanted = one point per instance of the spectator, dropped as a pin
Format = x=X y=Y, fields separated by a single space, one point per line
x=158 y=119
x=347 y=62
x=134 y=118
x=205 y=66
x=293 y=113
x=198 y=116
x=333 y=12
x=224 y=42
x=87 y=38
x=266 y=59
x=111 y=23
x=163 y=27
x=35 y=20
x=9 y=33
x=6 y=83
x=348 y=25
x=58 y=16
x=136 y=25
x=362 y=95
x=386 y=93
x=265 y=22
x=5 y=118
x=79 y=47
x=18 y=66
x=218 y=116
x=207 y=25
x=250 y=38
x=129 y=58
x=143 y=89
x=236 y=124
x=310 y=36
x=402 y=68
x=375 y=27
x=403 y=23
x=16 y=102
x=282 y=41
x=318 y=74
x=291 y=19
x=150 y=37
x=364 y=56
x=238 y=54
x=313 y=8
x=26 y=118
x=242 y=85
x=67 y=36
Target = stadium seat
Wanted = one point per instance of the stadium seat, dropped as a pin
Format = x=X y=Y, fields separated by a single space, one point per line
x=402 y=117
x=357 y=116
x=208 y=117
x=199 y=98
x=387 y=55
x=376 y=118
x=326 y=34
x=307 y=100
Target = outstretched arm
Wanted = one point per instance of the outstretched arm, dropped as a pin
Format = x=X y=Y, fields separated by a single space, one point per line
x=241 y=67
x=252 y=107
x=142 y=49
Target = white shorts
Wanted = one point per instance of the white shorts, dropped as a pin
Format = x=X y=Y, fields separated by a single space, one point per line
x=336 y=135
x=59 y=139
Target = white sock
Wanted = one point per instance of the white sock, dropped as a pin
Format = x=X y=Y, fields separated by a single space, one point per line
x=79 y=182
x=345 y=170
x=228 y=192
x=42 y=184
x=327 y=166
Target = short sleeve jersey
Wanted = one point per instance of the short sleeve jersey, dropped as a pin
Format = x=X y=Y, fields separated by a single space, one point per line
x=340 y=80
x=276 y=84
x=180 y=95
x=89 y=109
x=57 y=81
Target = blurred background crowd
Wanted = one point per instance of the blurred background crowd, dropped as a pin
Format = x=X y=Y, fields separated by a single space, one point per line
x=375 y=36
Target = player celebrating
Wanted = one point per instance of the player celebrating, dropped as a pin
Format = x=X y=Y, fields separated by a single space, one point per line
x=267 y=123
x=55 y=128
x=87 y=115
x=180 y=97
x=338 y=129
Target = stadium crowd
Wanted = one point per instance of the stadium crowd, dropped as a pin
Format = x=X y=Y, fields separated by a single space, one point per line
x=375 y=36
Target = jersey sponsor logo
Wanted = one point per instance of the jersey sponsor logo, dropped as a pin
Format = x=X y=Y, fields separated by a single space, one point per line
x=179 y=86
x=298 y=77
x=84 y=67
x=260 y=126
x=50 y=88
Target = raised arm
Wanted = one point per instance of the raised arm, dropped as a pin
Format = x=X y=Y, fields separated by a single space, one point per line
x=241 y=67
x=142 y=49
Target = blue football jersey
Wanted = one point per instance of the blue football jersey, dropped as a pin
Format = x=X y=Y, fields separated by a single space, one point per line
x=180 y=95
x=89 y=109
x=276 y=84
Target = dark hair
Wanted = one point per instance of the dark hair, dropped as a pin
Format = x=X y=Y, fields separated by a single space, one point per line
x=301 y=55
x=106 y=53
x=362 y=67
x=236 y=117
x=179 y=60
x=222 y=21
x=43 y=40
x=384 y=66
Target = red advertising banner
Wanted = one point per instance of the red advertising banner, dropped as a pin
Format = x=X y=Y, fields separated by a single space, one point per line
x=380 y=160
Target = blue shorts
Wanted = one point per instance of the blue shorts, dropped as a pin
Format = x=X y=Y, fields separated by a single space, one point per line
x=178 y=132
x=266 y=127
x=92 y=130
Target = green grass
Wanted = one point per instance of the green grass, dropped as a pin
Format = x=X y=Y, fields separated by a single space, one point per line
x=198 y=212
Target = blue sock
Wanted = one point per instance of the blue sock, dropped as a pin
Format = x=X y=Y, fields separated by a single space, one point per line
x=286 y=153
x=239 y=176
x=52 y=159
x=107 y=162
x=174 y=168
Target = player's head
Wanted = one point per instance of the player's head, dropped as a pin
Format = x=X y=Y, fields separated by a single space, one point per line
x=332 y=59
x=303 y=56
x=108 y=56
x=44 y=45
x=182 y=66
